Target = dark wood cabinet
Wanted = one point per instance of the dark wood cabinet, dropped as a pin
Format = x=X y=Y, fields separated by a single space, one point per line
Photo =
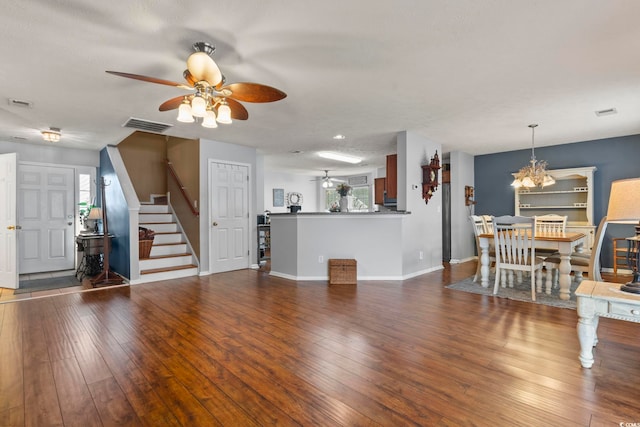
x=392 y=176
x=378 y=190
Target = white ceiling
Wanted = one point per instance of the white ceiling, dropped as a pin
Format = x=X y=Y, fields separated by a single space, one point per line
x=468 y=74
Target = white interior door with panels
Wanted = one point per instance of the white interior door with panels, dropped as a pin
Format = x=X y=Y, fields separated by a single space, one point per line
x=229 y=221
x=46 y=213
x=8 y=223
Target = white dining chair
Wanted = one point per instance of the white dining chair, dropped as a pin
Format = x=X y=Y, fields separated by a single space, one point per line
x=479 y=227
x=581 y=263
x=514 y=239
x=550 y=224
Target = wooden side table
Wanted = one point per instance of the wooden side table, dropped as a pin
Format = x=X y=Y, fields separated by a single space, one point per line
x=601 y=299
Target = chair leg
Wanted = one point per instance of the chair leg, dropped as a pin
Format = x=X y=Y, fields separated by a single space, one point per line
x=478 y=272
x=536 y=277
x=497 y=280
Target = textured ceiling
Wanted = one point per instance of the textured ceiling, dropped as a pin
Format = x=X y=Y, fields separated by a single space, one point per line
x=470 y=75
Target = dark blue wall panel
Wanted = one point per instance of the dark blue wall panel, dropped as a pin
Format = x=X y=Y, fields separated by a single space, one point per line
x=117 y=217
x=615 y=158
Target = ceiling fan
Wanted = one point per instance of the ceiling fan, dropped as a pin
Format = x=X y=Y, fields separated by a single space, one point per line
x=212 y=99
x=327 y=181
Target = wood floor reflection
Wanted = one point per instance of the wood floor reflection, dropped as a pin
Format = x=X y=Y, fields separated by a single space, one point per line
x=244 y=348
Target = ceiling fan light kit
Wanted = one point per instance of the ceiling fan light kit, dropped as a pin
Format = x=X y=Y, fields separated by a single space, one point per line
x=212 y=100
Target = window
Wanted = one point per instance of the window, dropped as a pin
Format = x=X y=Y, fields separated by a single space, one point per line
x=84 y=195
x=361 y=198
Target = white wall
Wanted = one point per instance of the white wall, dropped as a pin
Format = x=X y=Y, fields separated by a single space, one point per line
x=51 y=154
x=463 y=243
x=423 y=231
x=302 y=184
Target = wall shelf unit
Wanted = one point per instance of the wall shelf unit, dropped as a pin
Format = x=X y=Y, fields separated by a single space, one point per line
x=571 y=195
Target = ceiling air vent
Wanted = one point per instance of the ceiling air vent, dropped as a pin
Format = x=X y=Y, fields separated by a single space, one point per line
x=20 y=103
x=606 y=112
x=146 y=125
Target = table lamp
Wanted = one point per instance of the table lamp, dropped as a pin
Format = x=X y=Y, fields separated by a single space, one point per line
x=624 y=207
x=95 y=214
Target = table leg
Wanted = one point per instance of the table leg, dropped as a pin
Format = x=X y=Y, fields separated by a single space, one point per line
x=587 y=325
x=484 y=259
x=565 y=276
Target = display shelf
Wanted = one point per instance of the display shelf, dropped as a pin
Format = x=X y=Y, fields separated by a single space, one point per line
x=571 y=195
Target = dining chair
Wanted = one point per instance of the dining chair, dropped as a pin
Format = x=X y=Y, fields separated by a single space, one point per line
x=550 y=224
x=479 y=227
x=581 y=263
x=488 y=223
x=514 y=239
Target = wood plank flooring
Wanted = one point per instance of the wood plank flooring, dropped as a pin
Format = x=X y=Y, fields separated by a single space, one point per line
x=246 y=349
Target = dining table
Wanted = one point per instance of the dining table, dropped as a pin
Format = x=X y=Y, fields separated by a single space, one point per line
x=564 y=242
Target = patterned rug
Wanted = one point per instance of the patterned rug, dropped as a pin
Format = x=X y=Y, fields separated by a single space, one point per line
x=520 y=292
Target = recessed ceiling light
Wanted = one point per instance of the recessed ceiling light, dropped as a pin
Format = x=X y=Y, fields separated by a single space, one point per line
x=339 y=157
x=606 y=112
x=339 y=136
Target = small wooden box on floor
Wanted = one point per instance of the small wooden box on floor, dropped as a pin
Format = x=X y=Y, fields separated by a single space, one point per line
x=343 y=272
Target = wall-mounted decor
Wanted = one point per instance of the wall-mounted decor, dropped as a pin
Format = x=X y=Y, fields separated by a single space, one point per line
x=468 y=196
x=430 y=178
x=278 y=197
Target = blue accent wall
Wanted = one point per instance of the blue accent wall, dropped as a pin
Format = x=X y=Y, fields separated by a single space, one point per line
x=614 y=158
x=117 y=217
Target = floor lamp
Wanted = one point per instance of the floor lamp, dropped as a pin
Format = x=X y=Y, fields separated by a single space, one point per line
x=107 y=277
x=624 y=207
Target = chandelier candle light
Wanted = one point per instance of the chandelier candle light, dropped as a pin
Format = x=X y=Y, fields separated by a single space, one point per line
x=535 y=174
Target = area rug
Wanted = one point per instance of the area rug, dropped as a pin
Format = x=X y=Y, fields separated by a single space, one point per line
x=46 y=284
x=520 y=292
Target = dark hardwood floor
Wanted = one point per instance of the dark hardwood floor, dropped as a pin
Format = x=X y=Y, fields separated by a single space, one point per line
x=247 y=349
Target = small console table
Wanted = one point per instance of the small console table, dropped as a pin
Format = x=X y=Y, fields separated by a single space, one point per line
x=601 y=299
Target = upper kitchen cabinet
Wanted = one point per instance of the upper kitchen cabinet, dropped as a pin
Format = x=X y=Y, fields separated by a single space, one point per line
x=392 y=176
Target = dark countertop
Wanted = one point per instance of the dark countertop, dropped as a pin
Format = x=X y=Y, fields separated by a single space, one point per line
x=339 y=213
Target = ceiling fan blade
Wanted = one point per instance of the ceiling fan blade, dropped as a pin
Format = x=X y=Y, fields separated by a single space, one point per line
x=149 y=79
x=254 y=92
x=171 y=104
x=238 y=112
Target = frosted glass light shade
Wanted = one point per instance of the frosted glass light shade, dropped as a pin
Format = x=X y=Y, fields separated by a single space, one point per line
x=210 y=120
x=224 y=114
x=184 y=113
x=198 y=106
x=202 y=67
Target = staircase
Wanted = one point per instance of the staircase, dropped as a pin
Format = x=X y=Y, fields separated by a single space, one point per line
x=170 y=257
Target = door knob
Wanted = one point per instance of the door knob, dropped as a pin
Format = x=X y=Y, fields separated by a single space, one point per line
x=215 y=224
x=14 y=227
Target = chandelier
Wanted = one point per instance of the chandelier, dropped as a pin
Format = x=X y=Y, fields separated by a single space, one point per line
x=535 y=174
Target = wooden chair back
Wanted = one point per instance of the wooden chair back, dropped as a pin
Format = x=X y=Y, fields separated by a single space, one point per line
x=514 y=239
x=550 y=224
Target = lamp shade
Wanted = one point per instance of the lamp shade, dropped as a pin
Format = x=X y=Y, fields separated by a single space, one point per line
x=95 y=213
x=624 y=200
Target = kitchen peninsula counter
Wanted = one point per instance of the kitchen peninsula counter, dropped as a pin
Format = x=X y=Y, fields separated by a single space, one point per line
x=303 y=242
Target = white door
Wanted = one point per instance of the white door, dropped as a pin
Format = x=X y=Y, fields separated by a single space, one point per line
x=46 y=214
x=8 y=225
x=229 y=217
